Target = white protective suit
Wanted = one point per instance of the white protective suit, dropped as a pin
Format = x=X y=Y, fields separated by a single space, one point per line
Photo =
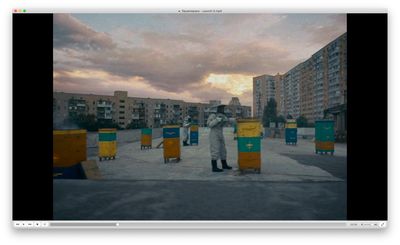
x=186 y=126
x=216 y=122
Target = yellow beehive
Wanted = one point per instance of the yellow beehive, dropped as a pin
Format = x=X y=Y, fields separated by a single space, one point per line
x=69 y=147
x=172 y=148
x=107 y=143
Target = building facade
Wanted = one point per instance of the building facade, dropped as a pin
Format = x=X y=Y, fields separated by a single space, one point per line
x=134 y=112
x=264 y=88
x=309 y=88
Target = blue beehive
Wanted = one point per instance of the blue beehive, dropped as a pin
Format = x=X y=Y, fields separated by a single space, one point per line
x=291 y=132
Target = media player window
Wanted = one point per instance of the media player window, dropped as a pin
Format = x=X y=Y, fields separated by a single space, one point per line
x=198 y=119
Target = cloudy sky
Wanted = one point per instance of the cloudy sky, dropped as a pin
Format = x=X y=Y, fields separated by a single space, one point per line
x=193 y=57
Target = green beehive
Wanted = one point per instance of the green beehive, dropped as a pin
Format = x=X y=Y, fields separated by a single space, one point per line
x=324 y=136
x=146 y=138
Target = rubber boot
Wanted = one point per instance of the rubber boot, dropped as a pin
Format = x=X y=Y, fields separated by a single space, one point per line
x=214 y=166
x=225 y=165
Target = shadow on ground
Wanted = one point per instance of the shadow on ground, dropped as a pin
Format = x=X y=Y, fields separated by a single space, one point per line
x=335 y=165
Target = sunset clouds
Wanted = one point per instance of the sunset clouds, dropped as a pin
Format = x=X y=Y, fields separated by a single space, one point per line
x=194 y=57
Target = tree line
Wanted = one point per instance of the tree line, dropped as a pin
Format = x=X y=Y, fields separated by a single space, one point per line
x=270 y=116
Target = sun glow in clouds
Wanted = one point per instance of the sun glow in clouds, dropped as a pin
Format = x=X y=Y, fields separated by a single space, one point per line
x=235 y=84
x=85 y=80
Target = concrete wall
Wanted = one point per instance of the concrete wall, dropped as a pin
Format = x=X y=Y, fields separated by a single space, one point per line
x=306 y=132
x=280 y=133
x=123 y=136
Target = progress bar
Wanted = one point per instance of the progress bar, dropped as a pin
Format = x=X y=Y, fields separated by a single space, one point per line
x=201 y=224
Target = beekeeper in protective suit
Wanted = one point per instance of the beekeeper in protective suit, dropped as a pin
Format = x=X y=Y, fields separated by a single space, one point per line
x=186 y=126
x=216 y=122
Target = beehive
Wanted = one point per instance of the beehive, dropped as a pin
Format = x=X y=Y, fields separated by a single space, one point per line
x=172 y=147
x=291 y=132
x=324 y=136
x=69 y=150
x=146 y=138
x=194 y=134
x=107 y=143
x=69 y=147
x=249 y=144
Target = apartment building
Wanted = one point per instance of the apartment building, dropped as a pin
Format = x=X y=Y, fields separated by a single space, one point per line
x=291 y=92
x=264 y=88
x=134 y=111
x=306 y=89
x=309 y=88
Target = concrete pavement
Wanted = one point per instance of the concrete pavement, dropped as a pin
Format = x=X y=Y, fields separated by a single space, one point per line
x=279 y=162
x=294 y=184
x=198 y=200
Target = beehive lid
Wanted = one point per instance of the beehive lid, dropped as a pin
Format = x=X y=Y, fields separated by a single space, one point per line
x=324 y=120
x=69 y=131
x=171 y=126
x=248 y=120
x=106 y=130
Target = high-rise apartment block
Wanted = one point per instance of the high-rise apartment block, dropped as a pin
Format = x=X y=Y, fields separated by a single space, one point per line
x=309 y=88
x=264 y=89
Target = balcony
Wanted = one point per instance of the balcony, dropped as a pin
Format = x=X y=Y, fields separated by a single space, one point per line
x=104 y=104
x=108 y=117
x=138 y=106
